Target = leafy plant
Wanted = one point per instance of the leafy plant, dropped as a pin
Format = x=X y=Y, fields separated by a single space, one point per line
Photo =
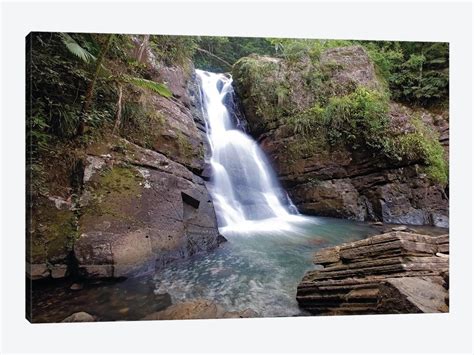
x=76 y=49
x=158 y=88
x=422 y=144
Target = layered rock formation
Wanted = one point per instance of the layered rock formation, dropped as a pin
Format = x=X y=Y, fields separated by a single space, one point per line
x=121 y=206
x=339 y=180
x=395 y=272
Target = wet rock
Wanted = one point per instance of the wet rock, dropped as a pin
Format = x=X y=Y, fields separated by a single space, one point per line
x=58 y=271
x=37 y=271
x=221 y=239
x=207 y=172
x=396 y=272
x=400 y=229
x=440 y=220
x=144 y=211
x=76 y=287
x=79 y=317
x=198 y=309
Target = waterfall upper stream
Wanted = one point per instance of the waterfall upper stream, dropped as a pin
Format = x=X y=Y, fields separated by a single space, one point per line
x=246 y=193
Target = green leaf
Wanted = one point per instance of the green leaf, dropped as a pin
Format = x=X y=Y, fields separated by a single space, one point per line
x=159 y=88
x=76 y=49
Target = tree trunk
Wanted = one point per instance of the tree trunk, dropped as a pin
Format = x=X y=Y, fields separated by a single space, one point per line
x=90 y=88
x=141 y=50
x=118 y=114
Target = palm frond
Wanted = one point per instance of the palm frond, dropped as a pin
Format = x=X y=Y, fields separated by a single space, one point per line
x=159 y=88
x=76 y=49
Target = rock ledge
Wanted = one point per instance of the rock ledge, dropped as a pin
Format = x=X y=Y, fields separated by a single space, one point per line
x=396 y=272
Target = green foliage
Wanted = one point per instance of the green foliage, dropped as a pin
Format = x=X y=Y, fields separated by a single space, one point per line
x=76 y=49
x=422 y=144
x=295 y=49
x=185 y=148
x=230 y=49
x=358 y=119
x=158 y=88
x=308 y=122
x=416 y=72
x=253 y=74
x=173 y=50
x=57 y=81
x=141 y=123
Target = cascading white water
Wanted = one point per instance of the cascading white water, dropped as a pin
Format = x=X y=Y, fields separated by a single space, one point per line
x=245 y=191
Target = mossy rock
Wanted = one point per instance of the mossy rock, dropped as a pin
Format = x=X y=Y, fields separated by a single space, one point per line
x=52 y=235
x=112 y=195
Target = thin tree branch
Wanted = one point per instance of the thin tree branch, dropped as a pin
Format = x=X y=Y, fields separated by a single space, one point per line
x=215 y=57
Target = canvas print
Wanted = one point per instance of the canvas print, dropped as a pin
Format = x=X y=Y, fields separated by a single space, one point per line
x=196 y=177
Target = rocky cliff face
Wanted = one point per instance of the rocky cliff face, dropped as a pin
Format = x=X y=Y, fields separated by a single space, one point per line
x=348 y=178
x=120 y=206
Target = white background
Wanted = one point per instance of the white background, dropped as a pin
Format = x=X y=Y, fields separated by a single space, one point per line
x=390 y=21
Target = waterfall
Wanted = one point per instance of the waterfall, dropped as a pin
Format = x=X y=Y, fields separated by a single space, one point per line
x=245 y=191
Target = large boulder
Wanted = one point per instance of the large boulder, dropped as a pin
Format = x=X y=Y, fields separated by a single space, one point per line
x=140 y=211
x=339 y=180
x=396 y=272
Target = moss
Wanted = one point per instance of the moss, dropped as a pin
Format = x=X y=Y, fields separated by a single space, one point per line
x=119 y=179
x=141 y=122
x=37 y=250
x=184 y=146
x=421 y=145
x=53 y=234
x=255 y=76
x=302 y=148
x=112 y=193
x=61 y=233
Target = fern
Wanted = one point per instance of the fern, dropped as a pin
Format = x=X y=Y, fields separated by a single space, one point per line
x=76 y=49
x=159 y=88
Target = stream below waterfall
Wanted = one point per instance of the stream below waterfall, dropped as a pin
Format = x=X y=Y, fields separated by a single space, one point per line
x=258 y=270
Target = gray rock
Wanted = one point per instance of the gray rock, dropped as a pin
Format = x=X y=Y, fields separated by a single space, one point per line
x=58 y=271
x=79 y=317
x=37 y=271
x=76 y=287
x=440 y=220
x=143 y=213
x=199 y=309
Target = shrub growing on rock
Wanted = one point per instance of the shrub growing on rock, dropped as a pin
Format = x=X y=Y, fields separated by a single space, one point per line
x=358 y=119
